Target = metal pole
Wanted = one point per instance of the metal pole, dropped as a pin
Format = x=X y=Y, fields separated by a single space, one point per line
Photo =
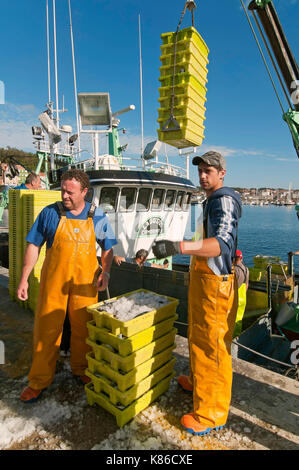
x=55 y=54
x=141 y=90
x=48 y=51
x=75 y=80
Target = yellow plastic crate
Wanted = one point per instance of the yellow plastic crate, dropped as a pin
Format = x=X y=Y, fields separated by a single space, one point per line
x=180 y=68
x=182 y=114
x=278 y=267
x=129 y=379
x=184 y=38
x=197 y=60
x=137 y=324
x=183 y=100
x=191 y=90
x=123 y=416
x=182 y=80
x=255 y=274
x=125 y=364
x=188 y=136
x=126 y=346
x=104 y=385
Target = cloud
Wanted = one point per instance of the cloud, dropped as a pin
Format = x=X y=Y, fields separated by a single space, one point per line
x=15 y=125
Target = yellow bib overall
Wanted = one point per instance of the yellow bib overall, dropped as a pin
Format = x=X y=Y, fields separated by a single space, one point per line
x=68 y=283
x=241 y=310
x=212 y=308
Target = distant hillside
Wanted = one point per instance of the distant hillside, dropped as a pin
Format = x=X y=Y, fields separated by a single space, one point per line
x=28 y=159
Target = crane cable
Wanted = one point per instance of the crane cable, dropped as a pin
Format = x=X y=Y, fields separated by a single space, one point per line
x=262 y=54
x=191 y=6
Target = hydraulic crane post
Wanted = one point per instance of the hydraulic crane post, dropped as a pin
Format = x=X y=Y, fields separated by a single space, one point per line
x=285 y=60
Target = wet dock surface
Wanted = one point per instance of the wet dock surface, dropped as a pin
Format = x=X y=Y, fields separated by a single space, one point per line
x=264 y=412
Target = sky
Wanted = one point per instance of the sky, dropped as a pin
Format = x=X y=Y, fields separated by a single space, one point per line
x=243 y=118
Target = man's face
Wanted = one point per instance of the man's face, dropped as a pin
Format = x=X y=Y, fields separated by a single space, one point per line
x=36 y=183
x=72 y=195
x=210 y=178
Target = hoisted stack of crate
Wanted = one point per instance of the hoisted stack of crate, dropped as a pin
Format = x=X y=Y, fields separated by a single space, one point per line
x=24 y=207
x=183 y=74
x=131 y=362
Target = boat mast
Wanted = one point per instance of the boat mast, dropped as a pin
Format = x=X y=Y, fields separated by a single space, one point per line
x=49 y=70
x=55 y=56
x=75 y=80
x=141 y=92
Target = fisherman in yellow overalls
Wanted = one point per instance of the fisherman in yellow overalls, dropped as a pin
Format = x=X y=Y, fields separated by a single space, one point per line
x=70 y=278
x=212 y=298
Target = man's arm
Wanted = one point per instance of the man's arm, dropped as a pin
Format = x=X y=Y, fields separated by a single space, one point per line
x=106 y=259
x=30 y=259
x=208 y=248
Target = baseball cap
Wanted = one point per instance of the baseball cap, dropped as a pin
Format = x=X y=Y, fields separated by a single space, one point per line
x=211 y=158
x=239 y=254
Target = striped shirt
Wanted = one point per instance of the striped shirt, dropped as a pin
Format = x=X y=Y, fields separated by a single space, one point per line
x=222 y=211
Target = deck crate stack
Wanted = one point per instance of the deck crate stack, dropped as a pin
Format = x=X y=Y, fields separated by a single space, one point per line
x=15 y=240
x=131 y=362
x=24 y=206
x=33 y=203
x=183 y=73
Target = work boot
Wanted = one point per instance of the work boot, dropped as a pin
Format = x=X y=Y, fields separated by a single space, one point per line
x=183 y=381
x=30 y=395
x=84 y=379
x=193 y=425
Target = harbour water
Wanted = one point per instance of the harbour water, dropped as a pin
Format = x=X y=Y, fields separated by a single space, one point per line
x=263 y=230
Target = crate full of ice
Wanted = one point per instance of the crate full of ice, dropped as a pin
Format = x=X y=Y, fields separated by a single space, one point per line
x=133 y=312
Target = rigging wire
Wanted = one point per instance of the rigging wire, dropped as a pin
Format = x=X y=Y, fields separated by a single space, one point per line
x=262 y=54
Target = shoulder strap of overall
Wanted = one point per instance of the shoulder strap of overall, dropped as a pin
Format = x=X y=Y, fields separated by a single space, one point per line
x=91 y=211
x=61 y=208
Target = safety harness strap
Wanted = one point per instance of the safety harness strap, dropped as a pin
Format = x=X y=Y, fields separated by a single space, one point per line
x=61 y=208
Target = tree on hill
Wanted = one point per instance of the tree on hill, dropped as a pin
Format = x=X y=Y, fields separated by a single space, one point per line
x=28 y=159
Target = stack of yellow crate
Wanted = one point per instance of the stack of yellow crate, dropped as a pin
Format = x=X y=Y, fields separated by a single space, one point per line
x=24 y=207
x=184 y=59
x=131 y=362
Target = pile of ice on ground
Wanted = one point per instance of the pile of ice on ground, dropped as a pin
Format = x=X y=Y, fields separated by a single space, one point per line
x=128 y=307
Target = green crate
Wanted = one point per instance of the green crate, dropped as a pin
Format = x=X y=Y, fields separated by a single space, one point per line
x=125 y=364
x=129 y=379
x=115 y=396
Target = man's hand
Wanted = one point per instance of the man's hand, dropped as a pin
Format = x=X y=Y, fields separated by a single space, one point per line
x=22 y=291
x=164 y=248
x=103 y=281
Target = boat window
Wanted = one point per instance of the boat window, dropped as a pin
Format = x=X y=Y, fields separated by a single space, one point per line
x=186 y=201
x=169 y=200
x=158 y=199
x=108 y=199
x=89 y=195
x=179 y=200
x=143 y=201
x=127 y=199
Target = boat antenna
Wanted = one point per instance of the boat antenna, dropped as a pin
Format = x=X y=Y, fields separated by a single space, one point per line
x=75 y=80
x=48 y=51
x=141 y=91
x=55 y=55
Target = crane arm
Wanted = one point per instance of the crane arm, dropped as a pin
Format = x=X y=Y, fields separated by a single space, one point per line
x=289 y=71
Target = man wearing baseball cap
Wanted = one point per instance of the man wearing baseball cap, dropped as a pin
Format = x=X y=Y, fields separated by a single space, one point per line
x=212 y=298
